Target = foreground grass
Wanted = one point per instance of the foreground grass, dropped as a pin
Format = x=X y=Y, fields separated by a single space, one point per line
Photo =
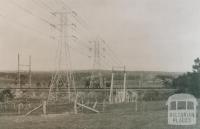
x=115 y=117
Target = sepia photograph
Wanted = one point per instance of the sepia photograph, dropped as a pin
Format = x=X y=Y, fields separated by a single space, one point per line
x=99 y=64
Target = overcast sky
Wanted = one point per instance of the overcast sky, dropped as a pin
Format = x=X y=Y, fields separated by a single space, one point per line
x=153 y=35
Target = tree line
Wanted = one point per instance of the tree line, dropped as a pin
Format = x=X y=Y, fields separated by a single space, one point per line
x=186 y=83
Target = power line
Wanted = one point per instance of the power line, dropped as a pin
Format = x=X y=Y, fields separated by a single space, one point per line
x=87 y=46
x=74 y=14
x=32 y=29
x=32 y=14
x=111 y=57
x=82 y=43
x=112 y=53
x=44 y=6
x=73 y=11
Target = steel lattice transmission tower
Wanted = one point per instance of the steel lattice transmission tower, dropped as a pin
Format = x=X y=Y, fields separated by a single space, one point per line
x=63 y=79
x=98 y=54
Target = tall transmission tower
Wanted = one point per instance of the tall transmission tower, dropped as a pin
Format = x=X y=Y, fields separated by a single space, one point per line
x=23 y=70
x=63 y=77
x=97 y=57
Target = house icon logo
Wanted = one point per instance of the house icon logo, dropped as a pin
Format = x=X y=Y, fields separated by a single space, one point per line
x=182 y=109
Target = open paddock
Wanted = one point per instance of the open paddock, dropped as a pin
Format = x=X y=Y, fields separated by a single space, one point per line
x=116 y=116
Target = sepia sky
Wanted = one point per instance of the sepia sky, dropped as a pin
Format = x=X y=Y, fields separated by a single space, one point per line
x=153 y=35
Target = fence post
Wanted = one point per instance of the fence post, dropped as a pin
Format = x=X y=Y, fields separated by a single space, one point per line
x=44 y=107
x=103 y=105
x=136 y=106
x=19 y=109
x=1 y=106
x=5 y=106
x=14 y=106
x=82 y=103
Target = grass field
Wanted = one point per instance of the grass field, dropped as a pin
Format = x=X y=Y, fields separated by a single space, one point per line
x=152 y=115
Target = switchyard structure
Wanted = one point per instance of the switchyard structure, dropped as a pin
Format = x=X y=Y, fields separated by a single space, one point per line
x=25 y=70
x=122 y=87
